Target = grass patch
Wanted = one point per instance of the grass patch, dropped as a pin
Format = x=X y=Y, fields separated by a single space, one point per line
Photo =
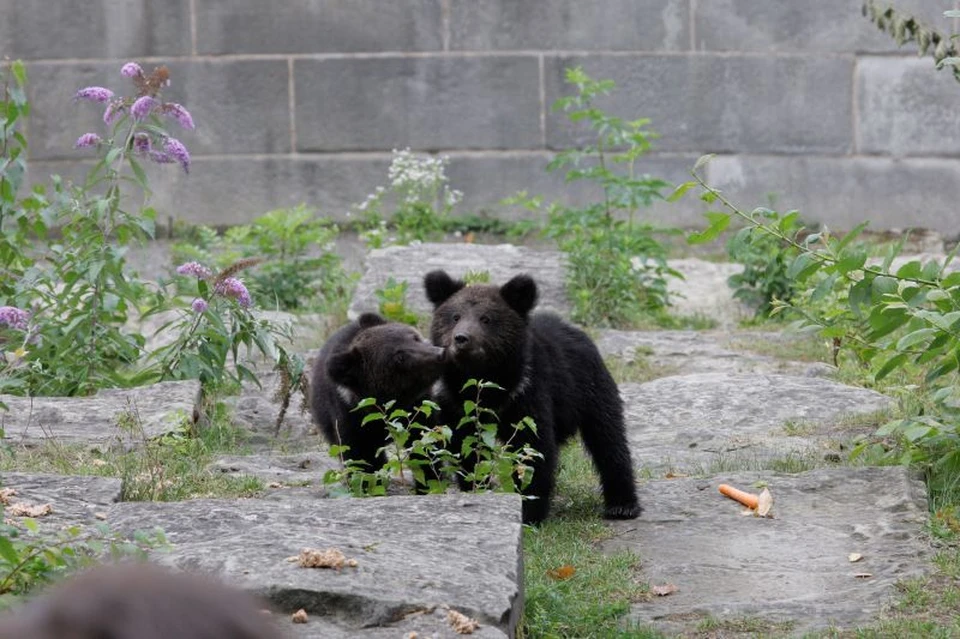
x=171 y=467
x=712 y=628
x=787 y=347
x=592 y=601
x=637 y=369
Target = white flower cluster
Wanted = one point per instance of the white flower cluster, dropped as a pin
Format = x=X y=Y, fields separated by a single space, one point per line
x=420 y=178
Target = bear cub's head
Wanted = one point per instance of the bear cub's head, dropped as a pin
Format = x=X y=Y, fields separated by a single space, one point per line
x=386 y=360
x=481 y=326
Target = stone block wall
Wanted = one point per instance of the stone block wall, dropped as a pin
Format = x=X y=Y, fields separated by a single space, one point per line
x=303 y=100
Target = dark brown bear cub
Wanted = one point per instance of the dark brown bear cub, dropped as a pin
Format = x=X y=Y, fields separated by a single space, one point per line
x=370 y=357
x=549 y=370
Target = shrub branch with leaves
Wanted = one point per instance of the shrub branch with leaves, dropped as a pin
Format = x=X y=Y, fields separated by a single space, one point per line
x=890 y=319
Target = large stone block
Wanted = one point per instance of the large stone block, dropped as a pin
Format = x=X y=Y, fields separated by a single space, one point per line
x=723 y=103
x=487 y=180
x=234 y=190
x=425 y=103
x=906 y=107
x=94 y=29
x=239 y=106
x=813 y=25
x=316 y=26
x=843 y=192
x=630 y=25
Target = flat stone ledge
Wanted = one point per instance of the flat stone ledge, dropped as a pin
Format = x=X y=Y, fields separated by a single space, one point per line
x=158 y=409
x=692 y=423
x=793 y=568
x=414 y=554
x=690 y=352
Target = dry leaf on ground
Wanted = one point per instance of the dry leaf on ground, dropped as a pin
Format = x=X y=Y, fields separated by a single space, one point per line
x=561 y=573
x=664 y=590
x=863 y=575
x=6 y=494
x=854 y=556
x=299 y=616
x=329 y=558
x=20 y=509
x=765 y=504
x=461 y=623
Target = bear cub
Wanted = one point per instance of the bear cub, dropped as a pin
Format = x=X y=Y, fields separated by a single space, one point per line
x=549 y=370
x=370 y=357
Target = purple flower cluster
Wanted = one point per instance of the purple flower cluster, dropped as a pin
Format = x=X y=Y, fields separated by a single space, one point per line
x=13 y=317
x=180 y=114
x=95 y=94
x=142 y=107
x=176 y=150
x=196 y=269
x=227 y=287
x=87 y=139
x=232 y=287
x=156 y=146
x=131 y=70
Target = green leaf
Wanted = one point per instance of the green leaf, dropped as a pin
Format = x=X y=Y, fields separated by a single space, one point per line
x=19 y=72
x=890 y=365
x=916 y=337
x=680 y=191
x=366 y=401
x=718 y=224
x=702 y=160
x=8 y=551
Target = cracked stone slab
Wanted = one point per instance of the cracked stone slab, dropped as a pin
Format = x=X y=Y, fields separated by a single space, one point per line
x=73 y=498
x=292 y=469
x=792 y=568
x=691 y=423
x=415 y=554
x=684 y=352
x=158 y=409
x=502 y=261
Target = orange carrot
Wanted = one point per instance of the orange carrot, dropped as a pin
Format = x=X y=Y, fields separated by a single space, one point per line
x=747 y=499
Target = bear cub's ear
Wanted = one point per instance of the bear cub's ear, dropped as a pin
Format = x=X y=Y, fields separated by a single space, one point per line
x=344 y=368
x=366 y=320
x=440 y=286
x=520 y=293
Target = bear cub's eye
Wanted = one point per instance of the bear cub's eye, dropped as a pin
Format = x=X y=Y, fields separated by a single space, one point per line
x=456 y=317
x=484 y=319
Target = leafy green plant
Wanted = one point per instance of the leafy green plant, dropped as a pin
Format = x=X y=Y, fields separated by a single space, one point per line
x=415 y=207
x=903 y=320
x=31 y=557
x=212 y=329
x=485 y=461
x=300 y=269
x=765 y=261
x=904 y=28
x=412 y=446
x=423 y=450
x=75 y=292
x=392 y=302
x=616 y=268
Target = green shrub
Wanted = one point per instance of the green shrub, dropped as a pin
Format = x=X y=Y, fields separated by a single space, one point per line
x=616 y=268
x=300 y=269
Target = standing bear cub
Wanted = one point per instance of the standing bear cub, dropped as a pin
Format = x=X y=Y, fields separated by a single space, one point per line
x=370 y=357
x=548 y=369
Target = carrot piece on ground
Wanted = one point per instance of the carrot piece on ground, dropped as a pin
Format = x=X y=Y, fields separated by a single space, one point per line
x=747 y=499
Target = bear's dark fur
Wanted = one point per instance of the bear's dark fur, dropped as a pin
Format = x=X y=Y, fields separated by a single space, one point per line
x=370 y=357
x=549 y=370
x=139 y=601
